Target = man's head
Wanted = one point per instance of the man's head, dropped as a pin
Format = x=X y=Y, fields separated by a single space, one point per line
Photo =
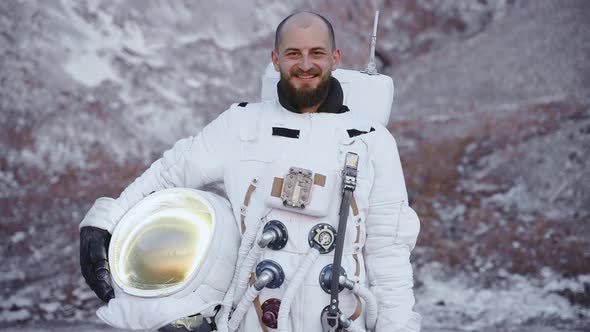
x=305 y=54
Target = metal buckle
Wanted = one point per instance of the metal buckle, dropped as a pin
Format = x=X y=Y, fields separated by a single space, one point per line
x=297 y=188
x=350 y=171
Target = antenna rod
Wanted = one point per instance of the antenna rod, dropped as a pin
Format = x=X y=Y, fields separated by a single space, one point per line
x=372 y=67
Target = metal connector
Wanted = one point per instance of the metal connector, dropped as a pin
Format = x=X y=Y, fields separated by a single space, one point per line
x=269 y=274
x=345 y=282
x=274 y=235
x=267 y=237
x=345 y=322
x=263 y=279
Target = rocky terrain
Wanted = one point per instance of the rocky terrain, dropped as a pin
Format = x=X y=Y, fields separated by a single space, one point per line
x=491 y=116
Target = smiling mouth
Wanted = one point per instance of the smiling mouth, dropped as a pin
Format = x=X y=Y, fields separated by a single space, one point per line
x=306 y=77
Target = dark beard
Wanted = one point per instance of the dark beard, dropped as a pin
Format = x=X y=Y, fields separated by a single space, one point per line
x=304 y=98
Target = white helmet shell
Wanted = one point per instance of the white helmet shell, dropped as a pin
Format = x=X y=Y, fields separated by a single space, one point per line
x=171 y=255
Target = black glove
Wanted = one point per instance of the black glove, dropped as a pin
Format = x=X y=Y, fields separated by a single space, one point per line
x=94 y=246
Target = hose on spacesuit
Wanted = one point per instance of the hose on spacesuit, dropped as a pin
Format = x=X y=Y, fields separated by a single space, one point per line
x=310 y=258
x=245 y=246
x=247 y=300
x=249 y=262
x=365 y=294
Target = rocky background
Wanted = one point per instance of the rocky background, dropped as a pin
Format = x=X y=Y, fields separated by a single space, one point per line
x=491 y=115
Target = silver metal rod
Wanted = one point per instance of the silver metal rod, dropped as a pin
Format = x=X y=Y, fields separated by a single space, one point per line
x=345 y=322
x=345 y=282
x=375 y=23
x=267 y=237
x=263 y=279
x=372 y=67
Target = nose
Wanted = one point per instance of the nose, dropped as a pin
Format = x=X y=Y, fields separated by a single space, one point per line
x=305 y=63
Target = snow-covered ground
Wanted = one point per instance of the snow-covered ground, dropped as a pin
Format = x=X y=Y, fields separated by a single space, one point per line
x=515 y=303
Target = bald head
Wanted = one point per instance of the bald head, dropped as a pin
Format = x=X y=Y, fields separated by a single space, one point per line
x=303 y=20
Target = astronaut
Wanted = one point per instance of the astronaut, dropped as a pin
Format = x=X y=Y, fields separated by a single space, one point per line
x=295 y=169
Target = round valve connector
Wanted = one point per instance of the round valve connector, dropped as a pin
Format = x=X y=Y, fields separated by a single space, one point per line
x=326 y=278
x=322 y=237
x=278 y=276
x=270 y=312
x=282 y=236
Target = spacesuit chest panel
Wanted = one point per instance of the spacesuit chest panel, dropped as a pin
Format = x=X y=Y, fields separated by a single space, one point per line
x=316 y=142
x=296 y=172
x=272 y=147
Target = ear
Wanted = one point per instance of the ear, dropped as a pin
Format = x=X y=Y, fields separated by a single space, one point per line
x=335 y=58
x=275 y=60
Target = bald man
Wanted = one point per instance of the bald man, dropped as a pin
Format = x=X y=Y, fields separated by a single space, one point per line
x=282 y=163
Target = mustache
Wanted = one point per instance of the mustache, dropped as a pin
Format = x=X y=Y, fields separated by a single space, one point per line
x=299 y=72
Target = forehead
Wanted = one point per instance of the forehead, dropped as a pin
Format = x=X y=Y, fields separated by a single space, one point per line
x=305 y=31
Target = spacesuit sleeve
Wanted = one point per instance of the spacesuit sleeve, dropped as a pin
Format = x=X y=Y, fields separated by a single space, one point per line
x=392 y=230
x=192 y=162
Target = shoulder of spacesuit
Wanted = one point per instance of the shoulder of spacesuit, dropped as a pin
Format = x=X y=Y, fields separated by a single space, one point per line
x=241 y=112
x=366 y=128
x=377 y=137
x=356 y=124
x=380 y=128
x=245 y=108
x=244 y=118
x=383 y=134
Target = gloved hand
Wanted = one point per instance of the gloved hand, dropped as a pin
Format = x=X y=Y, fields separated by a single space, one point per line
x=94 y=244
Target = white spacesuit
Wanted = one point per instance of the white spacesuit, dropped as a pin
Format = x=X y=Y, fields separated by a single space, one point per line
x=285 y=168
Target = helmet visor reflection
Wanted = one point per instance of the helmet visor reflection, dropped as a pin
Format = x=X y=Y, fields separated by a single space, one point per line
x=160 y=246
x=161 y=255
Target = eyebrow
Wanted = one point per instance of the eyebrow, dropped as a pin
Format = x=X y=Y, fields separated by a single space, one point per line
x=318 y=48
